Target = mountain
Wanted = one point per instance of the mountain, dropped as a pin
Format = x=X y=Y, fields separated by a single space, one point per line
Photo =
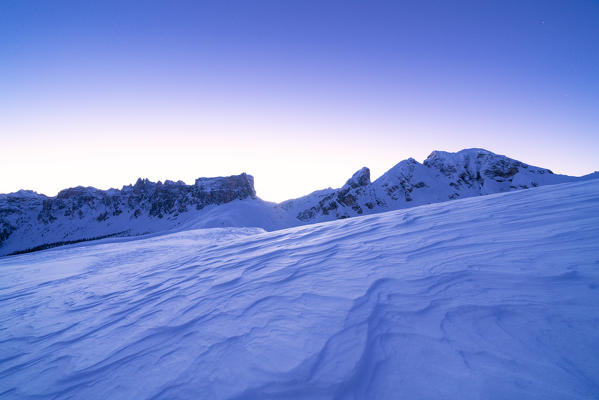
x=442 y=176
x=491 y=297
x=31 y=221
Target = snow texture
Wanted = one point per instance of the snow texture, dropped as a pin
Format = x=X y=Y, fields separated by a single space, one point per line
x=491 y=297
x=29 y=221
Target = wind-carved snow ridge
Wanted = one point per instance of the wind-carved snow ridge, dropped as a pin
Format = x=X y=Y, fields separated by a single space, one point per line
x=486 y=297
x=29 y=221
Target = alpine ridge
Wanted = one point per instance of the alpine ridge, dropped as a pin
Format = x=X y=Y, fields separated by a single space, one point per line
x=442 y=176
x=31 y=221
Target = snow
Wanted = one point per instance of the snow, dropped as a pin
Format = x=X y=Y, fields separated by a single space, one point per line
x=29 y=221
x=441 y=177
x=485 y=297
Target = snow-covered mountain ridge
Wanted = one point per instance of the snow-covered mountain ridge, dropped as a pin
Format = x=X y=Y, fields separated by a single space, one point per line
x=32 y=221
x=491 y=297
x=28 y=219
x=442 y=176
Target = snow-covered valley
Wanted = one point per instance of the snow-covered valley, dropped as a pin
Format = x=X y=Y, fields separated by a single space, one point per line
x=493 y=297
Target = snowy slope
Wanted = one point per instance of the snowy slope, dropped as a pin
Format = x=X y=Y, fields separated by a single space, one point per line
x=486 y=297
x=32 y=221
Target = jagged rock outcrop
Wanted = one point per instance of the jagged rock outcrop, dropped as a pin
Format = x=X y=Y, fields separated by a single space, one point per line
x=442 y=176
x=29 y=220
x=347 y=196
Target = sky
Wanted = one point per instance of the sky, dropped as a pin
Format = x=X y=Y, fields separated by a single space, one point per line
x=299 y=94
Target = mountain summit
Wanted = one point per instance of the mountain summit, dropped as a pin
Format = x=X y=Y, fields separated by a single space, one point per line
x=442 y=176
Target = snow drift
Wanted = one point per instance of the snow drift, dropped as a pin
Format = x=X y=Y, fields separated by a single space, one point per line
x=486 y=297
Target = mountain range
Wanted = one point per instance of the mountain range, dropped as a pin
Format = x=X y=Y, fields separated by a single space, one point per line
x=30 y=221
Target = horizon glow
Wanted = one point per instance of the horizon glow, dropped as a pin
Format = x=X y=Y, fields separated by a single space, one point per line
x=299 y=95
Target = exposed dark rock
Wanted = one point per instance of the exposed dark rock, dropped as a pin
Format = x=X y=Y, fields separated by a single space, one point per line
x=360 y=178
x=466 y=173
x=144 y=198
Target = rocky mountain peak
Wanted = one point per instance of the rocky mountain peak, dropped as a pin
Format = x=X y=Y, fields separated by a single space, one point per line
x=360 y=178
x=30 y=220
x=77 y=191
x=466 y=153
x=238 y=185
x=442 y=176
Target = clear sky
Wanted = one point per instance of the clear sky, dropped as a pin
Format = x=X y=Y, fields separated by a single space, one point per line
x=299 y=94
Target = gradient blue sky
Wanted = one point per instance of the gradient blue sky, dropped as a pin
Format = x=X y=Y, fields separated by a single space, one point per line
x=299 y=94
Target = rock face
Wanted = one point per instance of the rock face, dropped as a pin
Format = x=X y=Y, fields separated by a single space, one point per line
x=442 y=176
x=349 y=196
x=32 y=221
x=29 y=220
